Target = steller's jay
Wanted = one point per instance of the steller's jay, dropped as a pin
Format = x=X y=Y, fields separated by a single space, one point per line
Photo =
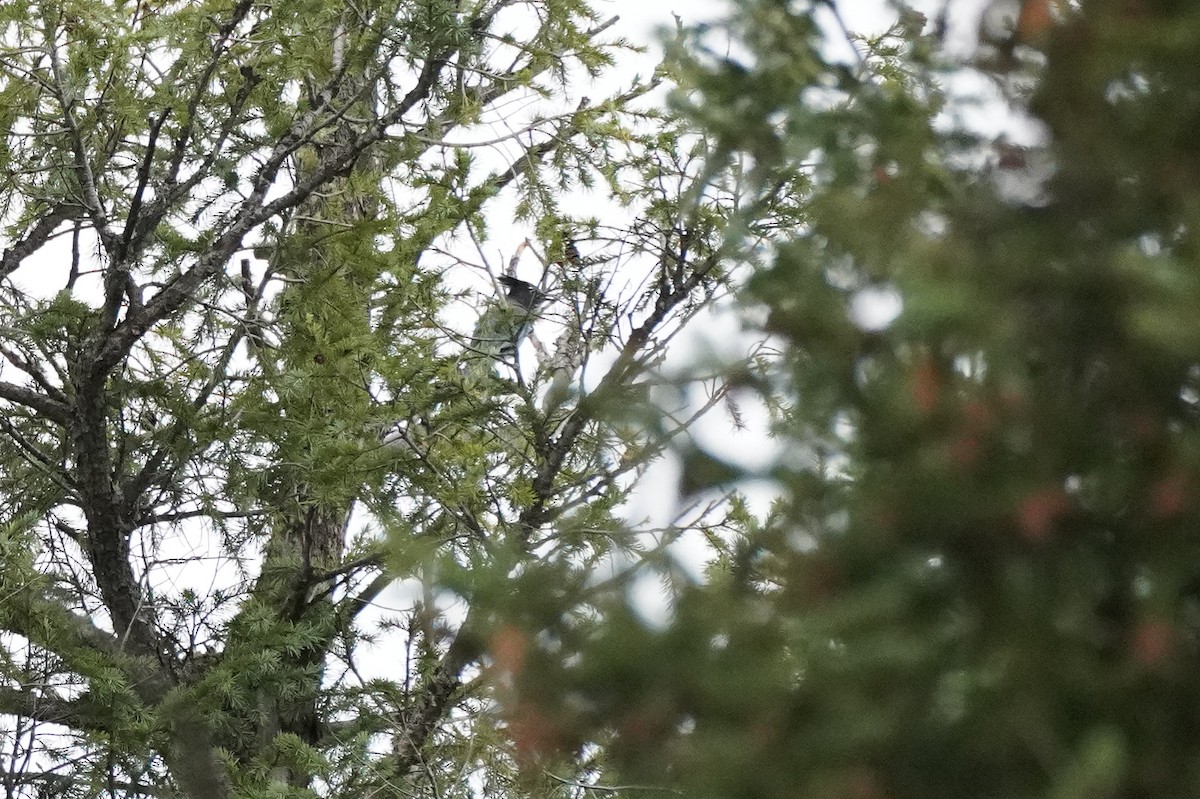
x=503 y=327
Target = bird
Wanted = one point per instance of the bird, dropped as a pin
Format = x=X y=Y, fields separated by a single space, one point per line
x=522 y=294
x=524 y=298
x=503 y=326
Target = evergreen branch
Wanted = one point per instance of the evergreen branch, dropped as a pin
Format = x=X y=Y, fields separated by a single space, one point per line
x=646 y=454
x=45 y=707
x=418 y=721
x=591 y=786
x=34 y=456
x=83 y=168
x=43 y=614
x=201 y=86
x=553 y=452
x=254 y=211
x=56 y=783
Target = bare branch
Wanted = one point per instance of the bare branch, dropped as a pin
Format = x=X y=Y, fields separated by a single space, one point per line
x=38 y=235
x=51 y=409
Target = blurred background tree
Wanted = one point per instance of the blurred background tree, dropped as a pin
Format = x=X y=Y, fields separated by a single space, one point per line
x=982 y=576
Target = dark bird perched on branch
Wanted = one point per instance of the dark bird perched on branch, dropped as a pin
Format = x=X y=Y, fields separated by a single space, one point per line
x=504 y=325
x=522 y=294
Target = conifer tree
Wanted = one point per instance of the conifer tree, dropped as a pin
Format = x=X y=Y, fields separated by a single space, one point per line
x=244 y=249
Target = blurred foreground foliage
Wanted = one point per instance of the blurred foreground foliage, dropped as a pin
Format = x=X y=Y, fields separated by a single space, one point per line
x=982 y=575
